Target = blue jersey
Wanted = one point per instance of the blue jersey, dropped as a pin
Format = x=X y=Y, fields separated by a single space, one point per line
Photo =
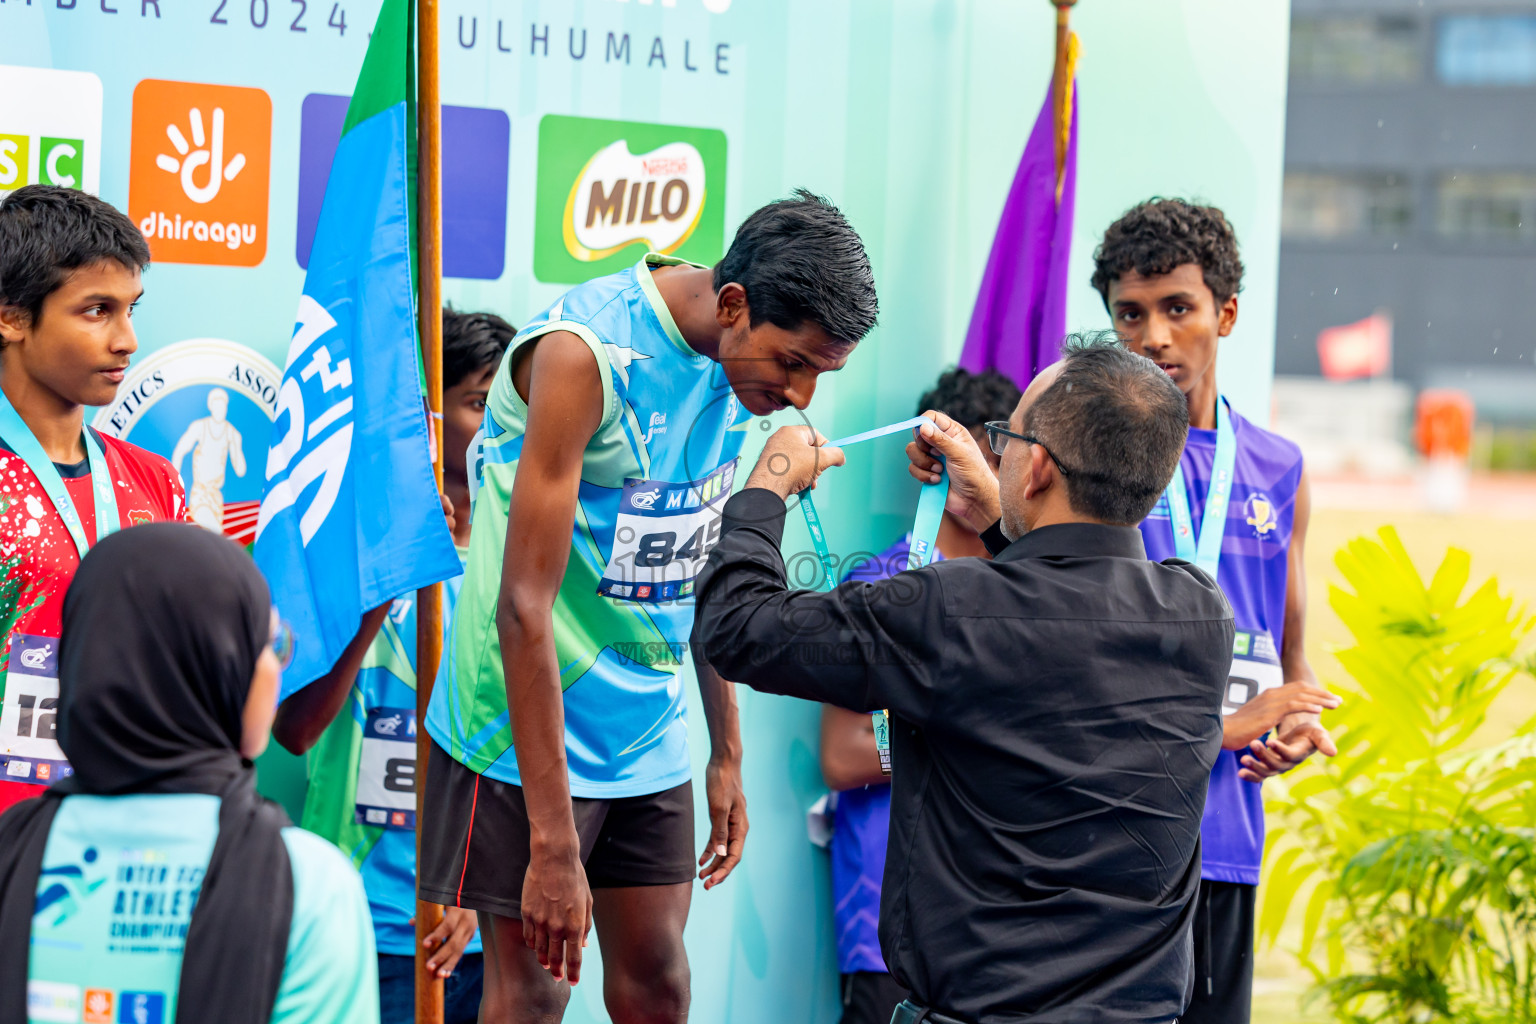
x=362 y=791
x=861 y=827
x=1253 y=574
x=654 y=481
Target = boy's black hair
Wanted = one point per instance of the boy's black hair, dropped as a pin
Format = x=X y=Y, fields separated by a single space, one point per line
x=1117 y=423
x=472 y=341
x=799 y=259
x=971 y=399
x=1160 y=234
x=47 y=232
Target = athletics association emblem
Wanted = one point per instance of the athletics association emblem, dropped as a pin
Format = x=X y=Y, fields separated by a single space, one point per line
x=1259 y=513
x=202 y=404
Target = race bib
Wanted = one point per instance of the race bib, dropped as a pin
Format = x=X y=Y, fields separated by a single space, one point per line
x=1255 y=668
x=386 y=773
x=29 y=751
x=664 y=534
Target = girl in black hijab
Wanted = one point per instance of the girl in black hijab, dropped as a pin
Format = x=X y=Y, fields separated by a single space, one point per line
x=167 y=685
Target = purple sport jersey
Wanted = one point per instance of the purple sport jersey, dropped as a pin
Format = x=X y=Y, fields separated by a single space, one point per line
x=1252 y=573
x=860 y=827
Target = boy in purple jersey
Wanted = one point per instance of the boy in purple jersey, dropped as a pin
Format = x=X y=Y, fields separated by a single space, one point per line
x=1169 y=274
x=850 y=764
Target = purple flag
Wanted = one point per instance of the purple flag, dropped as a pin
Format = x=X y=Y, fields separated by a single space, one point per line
x=1021 y=309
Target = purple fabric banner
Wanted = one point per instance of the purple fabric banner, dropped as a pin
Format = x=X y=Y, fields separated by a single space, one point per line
x=1021 y=309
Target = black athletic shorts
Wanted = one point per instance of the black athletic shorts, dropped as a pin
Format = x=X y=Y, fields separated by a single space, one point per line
x=474 y=846
x=1223 y=954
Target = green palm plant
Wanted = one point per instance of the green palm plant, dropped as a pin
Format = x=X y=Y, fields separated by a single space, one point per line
x=1413 y=851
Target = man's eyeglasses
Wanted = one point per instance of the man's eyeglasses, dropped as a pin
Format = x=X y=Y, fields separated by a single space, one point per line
x=282 y=639
x=998 y=435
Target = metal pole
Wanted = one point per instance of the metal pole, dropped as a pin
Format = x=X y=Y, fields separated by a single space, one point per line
x=1061 y=98
x=429 y=312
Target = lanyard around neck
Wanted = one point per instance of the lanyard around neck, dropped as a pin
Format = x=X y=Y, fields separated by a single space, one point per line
x=1205 y=549
x=15 y=432
x=925 y=525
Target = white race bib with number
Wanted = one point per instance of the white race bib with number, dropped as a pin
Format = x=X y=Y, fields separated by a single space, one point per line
x=29 y=719
x=664 y=534
x=386 y=773
x=1255 y=668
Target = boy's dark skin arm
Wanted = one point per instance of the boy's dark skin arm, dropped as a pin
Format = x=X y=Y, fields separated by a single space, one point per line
x=559 y=380
x=303 y=718
x=722 y=778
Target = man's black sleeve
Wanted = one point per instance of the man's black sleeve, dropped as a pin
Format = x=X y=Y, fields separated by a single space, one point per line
x=863 y=646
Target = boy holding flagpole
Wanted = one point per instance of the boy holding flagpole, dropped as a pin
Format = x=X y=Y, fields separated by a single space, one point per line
x=358 y=725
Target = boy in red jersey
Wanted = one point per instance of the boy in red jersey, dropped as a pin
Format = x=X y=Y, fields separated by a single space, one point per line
x=70 y=275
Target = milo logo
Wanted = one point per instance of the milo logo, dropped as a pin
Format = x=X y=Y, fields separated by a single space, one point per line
x=609 y=191
x=620 y=199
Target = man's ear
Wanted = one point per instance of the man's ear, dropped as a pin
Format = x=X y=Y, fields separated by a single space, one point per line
x=731 y=304
x=14 y=322
x=1226 y=319
x=1042 y=472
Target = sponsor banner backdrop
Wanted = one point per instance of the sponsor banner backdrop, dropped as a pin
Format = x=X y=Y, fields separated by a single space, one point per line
x=577 y=132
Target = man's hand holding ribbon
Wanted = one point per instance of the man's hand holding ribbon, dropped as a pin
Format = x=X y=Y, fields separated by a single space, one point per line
x=972 y=485
x=792 y=460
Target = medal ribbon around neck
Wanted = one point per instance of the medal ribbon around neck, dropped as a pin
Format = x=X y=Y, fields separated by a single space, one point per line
x=1205 y=549
x=15 y=432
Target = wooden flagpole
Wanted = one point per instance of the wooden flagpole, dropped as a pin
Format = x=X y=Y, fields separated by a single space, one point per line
x=429 y=313
x=1060 y=90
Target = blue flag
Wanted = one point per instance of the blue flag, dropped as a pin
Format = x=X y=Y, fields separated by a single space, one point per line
x=350 y=517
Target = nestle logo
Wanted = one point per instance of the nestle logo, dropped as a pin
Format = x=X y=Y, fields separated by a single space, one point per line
x=666 y=165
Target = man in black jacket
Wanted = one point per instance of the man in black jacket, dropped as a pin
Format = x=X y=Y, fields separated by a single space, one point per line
x=1054 y=711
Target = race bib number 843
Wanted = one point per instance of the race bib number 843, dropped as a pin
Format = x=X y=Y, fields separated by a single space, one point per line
x=664 y=534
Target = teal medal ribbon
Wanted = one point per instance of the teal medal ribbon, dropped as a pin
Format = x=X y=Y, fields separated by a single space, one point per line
x=1205 y=549
x=925 y=532
x=15 y=432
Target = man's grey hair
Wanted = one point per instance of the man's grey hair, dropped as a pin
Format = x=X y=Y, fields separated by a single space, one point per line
x=1116 y=422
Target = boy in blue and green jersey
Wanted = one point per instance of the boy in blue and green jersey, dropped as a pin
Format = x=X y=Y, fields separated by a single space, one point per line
x=358 y=724
x=560 y=783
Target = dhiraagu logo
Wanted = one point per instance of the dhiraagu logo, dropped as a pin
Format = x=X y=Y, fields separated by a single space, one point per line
x=609 y=191
x=50 y=128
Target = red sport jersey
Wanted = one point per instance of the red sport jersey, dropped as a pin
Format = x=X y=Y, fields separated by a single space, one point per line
x=38 y=560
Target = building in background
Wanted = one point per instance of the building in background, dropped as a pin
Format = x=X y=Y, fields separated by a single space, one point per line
x=1410 y=191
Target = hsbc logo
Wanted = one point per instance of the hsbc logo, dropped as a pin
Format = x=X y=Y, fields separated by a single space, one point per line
x=50 y=128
